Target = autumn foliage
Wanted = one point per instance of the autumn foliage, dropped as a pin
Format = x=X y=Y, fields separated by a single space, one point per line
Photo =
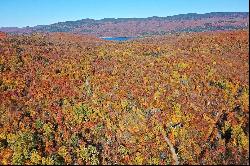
x=74 y=99
x=2 y=35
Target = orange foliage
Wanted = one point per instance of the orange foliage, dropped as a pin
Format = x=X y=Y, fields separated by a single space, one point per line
x=72 y=99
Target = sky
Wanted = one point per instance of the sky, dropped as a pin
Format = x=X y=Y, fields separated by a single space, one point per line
x=21 y=13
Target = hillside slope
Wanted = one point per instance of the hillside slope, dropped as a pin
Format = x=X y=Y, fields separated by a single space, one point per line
x=73 y=99
x=145 y=26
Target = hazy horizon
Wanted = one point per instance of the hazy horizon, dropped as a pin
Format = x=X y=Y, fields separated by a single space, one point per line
x=115 y=18
x=15 y=13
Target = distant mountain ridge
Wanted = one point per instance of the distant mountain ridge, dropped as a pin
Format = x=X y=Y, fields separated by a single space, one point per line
x=191 y=22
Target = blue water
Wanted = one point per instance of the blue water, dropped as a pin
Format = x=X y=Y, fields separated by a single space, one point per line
x=117 y=38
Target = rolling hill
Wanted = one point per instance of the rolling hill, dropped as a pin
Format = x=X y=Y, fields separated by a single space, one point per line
x=191 y=22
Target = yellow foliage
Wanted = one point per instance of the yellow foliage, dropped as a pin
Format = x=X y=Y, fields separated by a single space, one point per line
x=2 y=135
x=138 y=160
x=47 y=161
x=11 y=138
x=154 y=161
x=176 y=75
x=182 y=65
x=35 y=158
x=62 y=151
x=157 y=95
x=47 y=129
x=240 y=137
x=124 y=103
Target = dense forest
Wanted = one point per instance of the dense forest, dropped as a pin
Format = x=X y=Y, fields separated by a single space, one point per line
x=170 y=99
x=135 y=27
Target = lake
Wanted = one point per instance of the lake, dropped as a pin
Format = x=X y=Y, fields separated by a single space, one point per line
x=117 y=38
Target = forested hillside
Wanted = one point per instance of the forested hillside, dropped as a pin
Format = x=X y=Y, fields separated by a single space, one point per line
x=172 y=99
x=134 y=27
